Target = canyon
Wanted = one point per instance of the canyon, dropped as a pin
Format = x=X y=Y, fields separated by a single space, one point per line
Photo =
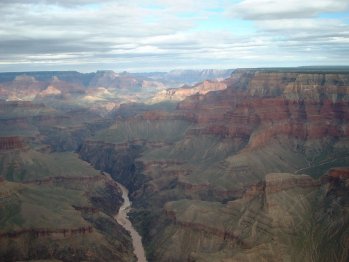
x=253 y=167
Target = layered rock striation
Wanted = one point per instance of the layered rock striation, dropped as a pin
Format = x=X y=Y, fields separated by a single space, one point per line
x=259 y=105
x=12 y=142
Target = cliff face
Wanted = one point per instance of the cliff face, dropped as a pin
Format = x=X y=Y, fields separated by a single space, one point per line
x=116 y=159
x=261 y=105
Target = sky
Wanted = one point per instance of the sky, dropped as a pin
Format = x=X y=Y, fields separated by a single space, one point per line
x=161 y=35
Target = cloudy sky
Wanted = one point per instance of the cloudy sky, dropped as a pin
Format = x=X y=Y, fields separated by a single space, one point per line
x=144 y=35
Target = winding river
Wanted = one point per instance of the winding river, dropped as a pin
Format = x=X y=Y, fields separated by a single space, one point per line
x=122 y=219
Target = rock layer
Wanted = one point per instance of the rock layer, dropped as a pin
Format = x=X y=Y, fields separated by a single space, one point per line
x=9 y=143
x=260 y=105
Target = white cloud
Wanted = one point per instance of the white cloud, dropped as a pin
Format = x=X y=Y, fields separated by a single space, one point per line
x=303 y=27
x=91 y=34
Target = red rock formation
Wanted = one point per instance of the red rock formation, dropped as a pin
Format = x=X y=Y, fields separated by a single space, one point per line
x=11 y=142
x=337 y=180
x=339 y=172
x=190 y=188
x=63 y=179
x=42 y=232
x=85 y=209
x=260 y=105
x=214 y=231
x=280 y=182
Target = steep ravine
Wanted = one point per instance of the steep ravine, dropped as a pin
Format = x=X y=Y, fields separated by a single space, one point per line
x=119 y=162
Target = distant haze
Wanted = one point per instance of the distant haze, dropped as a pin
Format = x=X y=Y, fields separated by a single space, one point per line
x=162 y=35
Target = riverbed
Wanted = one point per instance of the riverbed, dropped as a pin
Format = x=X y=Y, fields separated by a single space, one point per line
x=122 y=219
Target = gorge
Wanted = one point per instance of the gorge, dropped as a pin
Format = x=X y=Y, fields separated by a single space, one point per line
x=250 y=168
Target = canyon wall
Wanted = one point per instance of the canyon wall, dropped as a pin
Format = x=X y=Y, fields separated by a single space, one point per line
x=259 y=105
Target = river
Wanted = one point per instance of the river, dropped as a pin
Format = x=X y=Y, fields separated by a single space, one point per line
x=122 y=219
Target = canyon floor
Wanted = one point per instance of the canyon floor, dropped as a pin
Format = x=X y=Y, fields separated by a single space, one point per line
x=252 y=166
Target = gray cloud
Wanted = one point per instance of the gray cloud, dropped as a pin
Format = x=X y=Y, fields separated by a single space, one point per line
x=280 y=9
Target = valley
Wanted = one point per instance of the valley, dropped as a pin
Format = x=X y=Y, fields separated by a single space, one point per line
x=240 y=165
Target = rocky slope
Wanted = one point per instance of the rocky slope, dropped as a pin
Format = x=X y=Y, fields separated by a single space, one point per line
x=52 y=204
x=55 y=206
